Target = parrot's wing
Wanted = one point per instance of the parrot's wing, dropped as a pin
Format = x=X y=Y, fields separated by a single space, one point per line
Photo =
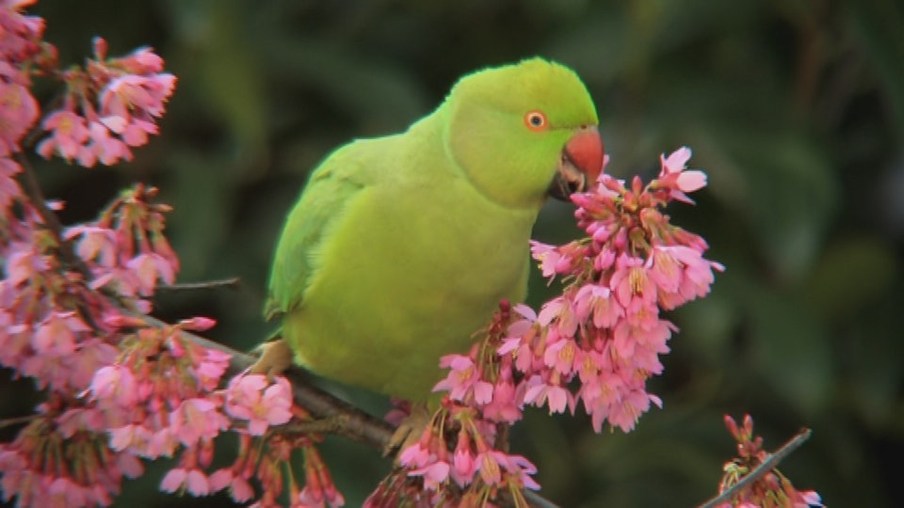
x=337 y=182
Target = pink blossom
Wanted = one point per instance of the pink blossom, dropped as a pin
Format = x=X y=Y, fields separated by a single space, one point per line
x=193 y=480
x=664 y=269
x=676 y=161
x=130 y=466
x=677 y=178
x=162 y=443
x=250 y=398
x=415 y=456
x=504 y=406
x=199 y=324
x=540 y=392
x=76 y=419
x=520 y=350
x=18 y=111
x=196 y=419
x=95 y=243
x=116 y=384
x=562 y=355
x=464 y=464
x=433 y=474
x=561 y=310
x=9 y=187
x=239 y=488
x=133 y=92
x=148 y=267
x=23 y=263
x=807 y=498
x=625 y=413
x=464 y=380
x=57 y=333
x=211 y=368
x=20 y=33
x=69 y=133
x=520 y=468
x=520 y=326
x=631 y=281
x=141 y=61
x=596 y=303
x=129 y=436
x=552 y=262
x=93 y=352
x=489 y=467
x=102 y=147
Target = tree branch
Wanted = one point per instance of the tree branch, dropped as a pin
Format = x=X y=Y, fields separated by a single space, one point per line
x=345 y=419
x=231 y=282
x=332 y=415
x=18 y=420
x=767 y=465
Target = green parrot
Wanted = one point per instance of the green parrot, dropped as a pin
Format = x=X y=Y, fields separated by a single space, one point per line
x=401 y=247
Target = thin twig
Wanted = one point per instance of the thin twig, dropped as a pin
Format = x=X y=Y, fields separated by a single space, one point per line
x=231 y=282
x=18 y=420
x=767 y=465
x=538 y=501
x=33 y=190
x=331 y=425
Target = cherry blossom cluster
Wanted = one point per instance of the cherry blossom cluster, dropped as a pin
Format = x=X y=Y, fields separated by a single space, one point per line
x=21 y=48
x=118 y=386
x=67 y=336
x=597 y=343
x=110 y=106
x=250 y=406
x=125 y=249
x=266 y=457
x=772 y=490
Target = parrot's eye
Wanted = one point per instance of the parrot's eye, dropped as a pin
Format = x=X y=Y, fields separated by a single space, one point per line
x=535 y=120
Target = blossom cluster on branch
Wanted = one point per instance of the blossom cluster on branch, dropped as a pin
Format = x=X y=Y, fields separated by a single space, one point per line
x=771 y=490
x=116 y=387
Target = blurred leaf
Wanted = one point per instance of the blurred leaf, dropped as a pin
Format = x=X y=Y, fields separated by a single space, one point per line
x=792 y=349
x=386 y=99
x=852 y=273
x=200 y=196
x=878 y=25
x=220 y=56
x=784 y=188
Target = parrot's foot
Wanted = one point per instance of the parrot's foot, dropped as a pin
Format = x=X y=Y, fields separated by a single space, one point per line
x=410 y=430
x=276 y=357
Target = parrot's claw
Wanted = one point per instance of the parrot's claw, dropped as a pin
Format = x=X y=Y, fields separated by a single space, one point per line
x=409 y=431
x=276 y=357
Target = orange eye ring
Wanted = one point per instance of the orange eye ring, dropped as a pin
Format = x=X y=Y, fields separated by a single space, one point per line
x=535 y=120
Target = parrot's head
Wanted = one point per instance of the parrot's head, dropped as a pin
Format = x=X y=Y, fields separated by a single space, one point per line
x=524 y=131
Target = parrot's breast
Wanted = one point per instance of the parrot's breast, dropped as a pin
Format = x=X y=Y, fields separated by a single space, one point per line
x=416 y=265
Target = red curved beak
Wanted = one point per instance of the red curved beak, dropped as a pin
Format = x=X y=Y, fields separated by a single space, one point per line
x=585 y=151
x=580 y=165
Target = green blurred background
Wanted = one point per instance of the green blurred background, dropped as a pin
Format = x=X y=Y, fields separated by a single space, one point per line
x=794 y=108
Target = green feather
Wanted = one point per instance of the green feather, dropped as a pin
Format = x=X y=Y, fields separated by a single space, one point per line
x=401 y=247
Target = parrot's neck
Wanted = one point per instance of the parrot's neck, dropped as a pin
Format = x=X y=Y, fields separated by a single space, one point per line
x=465 y=165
